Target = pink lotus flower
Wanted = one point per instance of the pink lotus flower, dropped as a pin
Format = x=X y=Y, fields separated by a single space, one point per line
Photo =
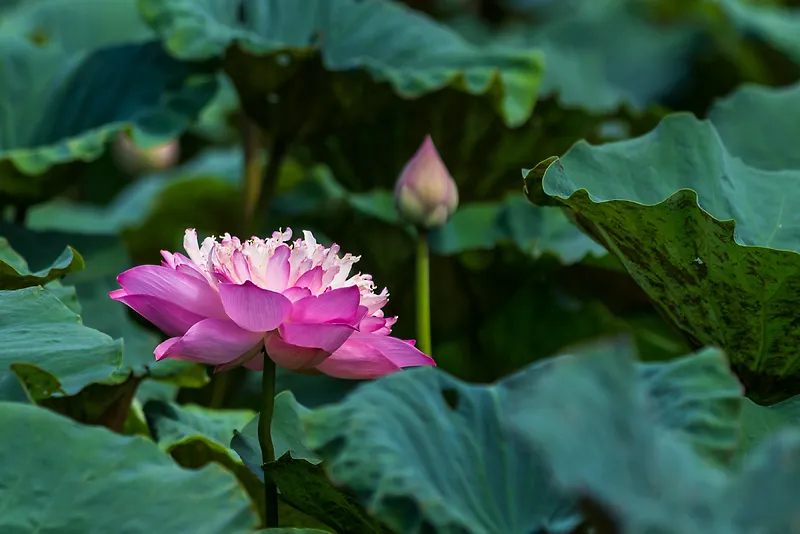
x=229 y=299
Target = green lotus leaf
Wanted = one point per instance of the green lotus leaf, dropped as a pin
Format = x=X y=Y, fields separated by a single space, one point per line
x=196 y=436
x=286 y=435
x=58 y=355
x=14 y=272
x=603 y=442
x=427 y=452
x=74 y=25
x=758 y=108
x=301 y=481
x=277 y=38
x=761 y=422
x=75 y=493
x=776 y=25
x=703 y=225
x=105 y=257
x=599 y=55
x=154 y=97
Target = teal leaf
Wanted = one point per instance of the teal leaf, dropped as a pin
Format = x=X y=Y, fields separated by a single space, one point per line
x=76 y=495
x=195 y=436
x=426 y=452
x=74 y=25
x=154 y=97
x=106 y=257
x=301 y=481
x=286 y=436
x=703 y=225
x=47 y=345
x=775 y=24
x=600 y=55
x=642 y=475
x=278 y=38
x=761 y=422
x=14 y=272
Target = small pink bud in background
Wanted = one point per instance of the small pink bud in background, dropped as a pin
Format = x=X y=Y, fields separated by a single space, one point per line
x=425 y=194
x=135 y=160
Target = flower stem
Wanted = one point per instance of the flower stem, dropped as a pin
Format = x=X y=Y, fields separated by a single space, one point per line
x=423 y=294
x=251 y=144
x=265 y=440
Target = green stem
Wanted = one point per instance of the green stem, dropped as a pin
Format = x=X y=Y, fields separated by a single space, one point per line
x=219 y=389
x=423 y=294
x=251 y=144
x=265 y=439
x=277 y=153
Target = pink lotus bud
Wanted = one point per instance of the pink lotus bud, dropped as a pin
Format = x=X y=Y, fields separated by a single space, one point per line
x=425 y=194
x=135 y=160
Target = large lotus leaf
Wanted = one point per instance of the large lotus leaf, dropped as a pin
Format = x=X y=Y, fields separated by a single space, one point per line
x=426 y=452
x=105 y=258
x=760 y=422
x=599 y=54
x=709 y=237
x=75 y=25
x=61 y=106
x=15 y=274
x=604 y=443
x=96 y=481
x=777 y=25
x=301 y=481
x=758 y=108
x=196 y=436
x=536 y=231
x=47 y=344
x=422 y=56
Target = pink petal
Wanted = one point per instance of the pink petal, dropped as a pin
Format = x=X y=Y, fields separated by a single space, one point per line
x=244 y=359
x=311 y=279
x=253 y=308
x=373 y=325
x=240 y=267
x=192 y=270
x=357 y=360
x=325 y=336
x=117 y=294
x=296 y=293
x=278 y=269
x=400 y=352
x=168 y=316
x=186 y=291
x=290 y=356
x=213 y=341
x=256 y=364
x=162 y=348
x=338 y=305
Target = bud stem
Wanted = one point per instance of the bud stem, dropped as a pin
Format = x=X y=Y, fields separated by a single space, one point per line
x=265 y=440
x=423 y=293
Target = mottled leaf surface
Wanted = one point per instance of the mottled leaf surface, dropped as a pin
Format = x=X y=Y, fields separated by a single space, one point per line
x=709 y=234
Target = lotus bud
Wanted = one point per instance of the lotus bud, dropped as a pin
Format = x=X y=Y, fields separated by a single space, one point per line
x=425 y=194
x=136 y=160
